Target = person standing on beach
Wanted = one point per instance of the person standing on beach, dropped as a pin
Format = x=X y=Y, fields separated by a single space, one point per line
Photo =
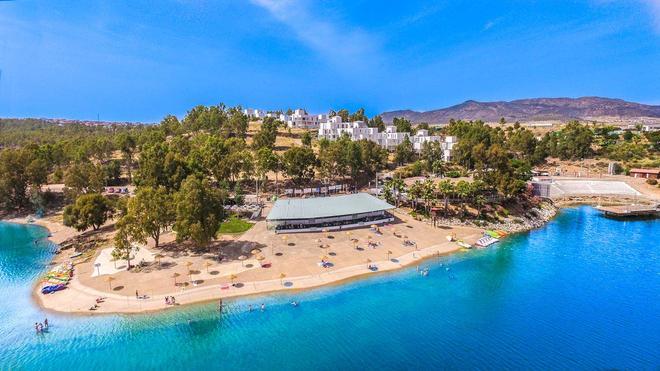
x=136 y=294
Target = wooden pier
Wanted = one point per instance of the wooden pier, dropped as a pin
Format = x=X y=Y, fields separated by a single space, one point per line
x=628 y=211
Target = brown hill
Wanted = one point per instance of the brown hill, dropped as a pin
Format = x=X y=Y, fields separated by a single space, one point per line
x=538 y=109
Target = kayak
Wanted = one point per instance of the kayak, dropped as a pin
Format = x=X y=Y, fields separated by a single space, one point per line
x=52 y=288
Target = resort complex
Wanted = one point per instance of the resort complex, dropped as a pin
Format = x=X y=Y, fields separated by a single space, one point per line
x=388 y=139
x=401 y=204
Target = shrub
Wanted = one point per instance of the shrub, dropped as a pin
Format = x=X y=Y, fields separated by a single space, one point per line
x=652 y=181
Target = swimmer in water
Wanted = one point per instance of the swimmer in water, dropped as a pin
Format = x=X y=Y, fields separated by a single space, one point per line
x=263 y=307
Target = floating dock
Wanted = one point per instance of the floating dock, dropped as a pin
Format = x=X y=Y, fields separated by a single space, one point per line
x=629 y=211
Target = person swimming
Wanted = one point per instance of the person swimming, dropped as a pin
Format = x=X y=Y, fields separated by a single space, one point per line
x=294 y=303
x=263 y=307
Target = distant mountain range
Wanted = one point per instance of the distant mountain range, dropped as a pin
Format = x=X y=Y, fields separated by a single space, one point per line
x=537 y=109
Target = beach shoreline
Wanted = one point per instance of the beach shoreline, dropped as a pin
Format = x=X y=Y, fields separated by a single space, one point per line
x=75 y=300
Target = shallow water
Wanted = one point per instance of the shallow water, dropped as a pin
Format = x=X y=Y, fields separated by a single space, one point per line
x=581 y=293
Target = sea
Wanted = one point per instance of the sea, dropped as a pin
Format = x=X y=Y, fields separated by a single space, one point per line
x=581 y=293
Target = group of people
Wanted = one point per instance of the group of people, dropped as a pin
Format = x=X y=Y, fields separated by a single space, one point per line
x=263 y=307
x=41 y=327
x=170 y=300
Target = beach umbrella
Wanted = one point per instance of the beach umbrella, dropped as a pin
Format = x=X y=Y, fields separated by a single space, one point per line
x=389 y=252
x=261 y=257
x=109 y=279
x=188 y=265
x=282 y=277
x=368 y=263
x=242 y=259
x=207 y=264
x=158 y=257
x=175 y=275
x=232 y=277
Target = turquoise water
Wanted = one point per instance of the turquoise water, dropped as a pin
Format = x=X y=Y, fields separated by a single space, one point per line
x=581 y=293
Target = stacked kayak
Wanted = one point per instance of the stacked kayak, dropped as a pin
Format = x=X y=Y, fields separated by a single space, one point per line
x=486 y=241
x=52 y=288
x=60 y=274
x=496 y=234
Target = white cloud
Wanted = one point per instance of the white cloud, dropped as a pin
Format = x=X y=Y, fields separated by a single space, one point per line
x=341 y=45
x=654 y=7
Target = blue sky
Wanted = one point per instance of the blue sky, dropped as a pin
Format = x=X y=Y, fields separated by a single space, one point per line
x=140 y=60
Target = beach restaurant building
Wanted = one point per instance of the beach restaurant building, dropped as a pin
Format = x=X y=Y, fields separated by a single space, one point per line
x=294 y=215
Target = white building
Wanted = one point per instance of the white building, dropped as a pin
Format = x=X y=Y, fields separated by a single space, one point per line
x=300 y=119
x=389 y=139
x=255 y=113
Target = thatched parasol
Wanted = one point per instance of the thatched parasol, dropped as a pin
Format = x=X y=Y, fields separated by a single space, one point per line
x=109 y=279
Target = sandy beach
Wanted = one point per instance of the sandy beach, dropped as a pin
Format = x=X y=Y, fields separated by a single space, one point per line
x=282 y=264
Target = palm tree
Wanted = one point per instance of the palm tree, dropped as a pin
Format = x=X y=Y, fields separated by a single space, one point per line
x=428 y=193
x=445 y=188
x=415 y=192
x=463 y=190
x=395 y=188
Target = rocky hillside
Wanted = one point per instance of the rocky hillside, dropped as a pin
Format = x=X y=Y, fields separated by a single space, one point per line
x=538 y=109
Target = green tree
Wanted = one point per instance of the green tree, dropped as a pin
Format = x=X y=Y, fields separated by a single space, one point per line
x=395 y=188
x=199 y=211
x=402 y=125
x=89 y=210
x=445 y=189
x=377 y=122
x=404 y=152
x=123 y=240
x=84 y=178
x=299 y=163
x=20 y=170
x=152 y=212
x=306 y=139
x=127 y=145
x=267 y=134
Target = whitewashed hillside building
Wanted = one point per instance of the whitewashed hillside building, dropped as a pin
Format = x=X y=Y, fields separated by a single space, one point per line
x=388 y=139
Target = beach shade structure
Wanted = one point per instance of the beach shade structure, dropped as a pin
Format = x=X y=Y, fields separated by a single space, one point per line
x=242 y=259
x=255 y=251
x=175 y=275
x=158 y=256
x=282 y=277
x=109 y=279
x=389 y=252
x=368 y=263
x=188 y=264
x=207 y=264
x=232 y=277
x=260 y=257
